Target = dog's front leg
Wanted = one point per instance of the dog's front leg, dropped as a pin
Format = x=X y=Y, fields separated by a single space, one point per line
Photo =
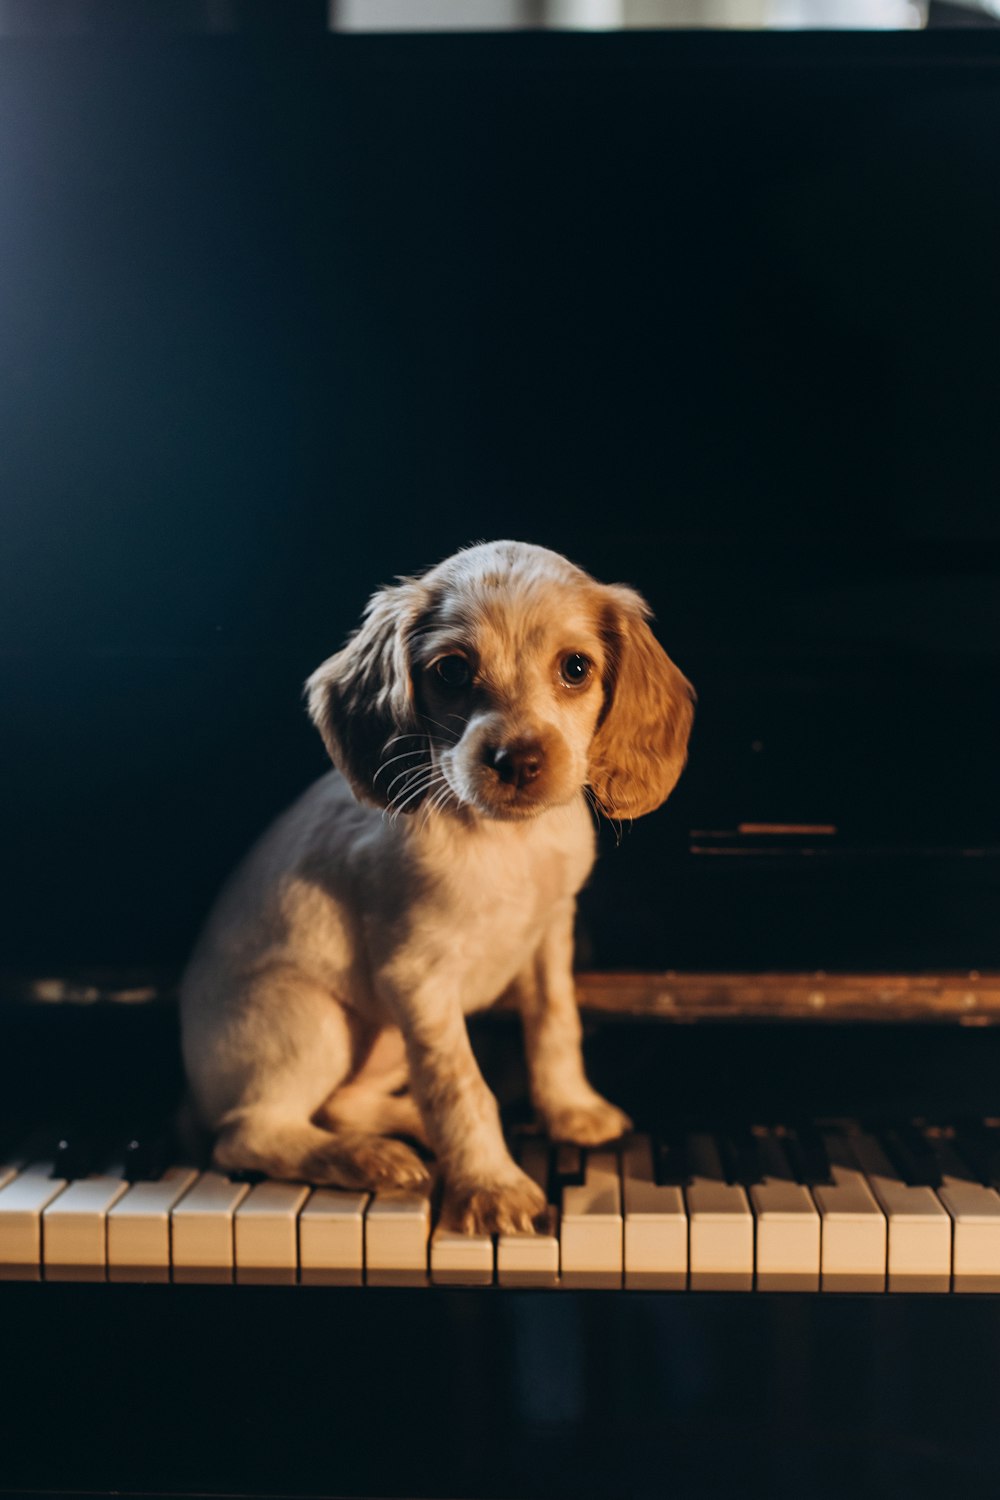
x=485 y=1191
x=570 y=1109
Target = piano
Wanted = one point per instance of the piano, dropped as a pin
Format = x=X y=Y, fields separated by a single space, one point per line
x=289 y=312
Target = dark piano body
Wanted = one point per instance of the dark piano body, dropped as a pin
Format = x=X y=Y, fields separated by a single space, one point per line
x=286 y=314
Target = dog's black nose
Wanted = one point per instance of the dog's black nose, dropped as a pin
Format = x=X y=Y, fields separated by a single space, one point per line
x=518 y=763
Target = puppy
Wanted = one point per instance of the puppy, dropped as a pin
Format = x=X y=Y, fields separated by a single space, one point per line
x=471 y=718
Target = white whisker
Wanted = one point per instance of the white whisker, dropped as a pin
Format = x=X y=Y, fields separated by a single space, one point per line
x=418 y=777
x=417 y=791
x=454 y=738
x=607 y=808
x=410 y=771
x=412 y=735
x=592 y=807
x=440 y=800
x=404 y=755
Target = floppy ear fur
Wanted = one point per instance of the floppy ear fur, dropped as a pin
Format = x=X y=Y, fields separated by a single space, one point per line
x=640 y=746
x=363 y=696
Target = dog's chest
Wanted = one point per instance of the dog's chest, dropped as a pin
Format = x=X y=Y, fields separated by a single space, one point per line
x=499 y=899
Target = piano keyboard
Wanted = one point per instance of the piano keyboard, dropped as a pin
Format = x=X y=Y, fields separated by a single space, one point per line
x=830 y=1208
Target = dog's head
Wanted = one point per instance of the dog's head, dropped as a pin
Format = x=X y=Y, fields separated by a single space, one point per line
x=503 y=681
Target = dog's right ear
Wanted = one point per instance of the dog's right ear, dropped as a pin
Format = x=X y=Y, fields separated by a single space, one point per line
x=362 y=697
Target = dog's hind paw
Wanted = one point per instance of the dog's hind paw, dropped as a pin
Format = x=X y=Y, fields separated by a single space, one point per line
x=367 y=1161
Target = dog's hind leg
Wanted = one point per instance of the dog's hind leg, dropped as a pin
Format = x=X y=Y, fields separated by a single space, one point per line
x=376 y=1097
x=263 y=1140
x=261 y=1067
x=369 y=1111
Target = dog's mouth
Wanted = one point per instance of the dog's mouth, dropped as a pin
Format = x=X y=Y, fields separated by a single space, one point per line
x=509 y=804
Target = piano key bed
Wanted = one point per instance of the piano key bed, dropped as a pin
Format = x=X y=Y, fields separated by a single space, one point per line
x=829 y=1207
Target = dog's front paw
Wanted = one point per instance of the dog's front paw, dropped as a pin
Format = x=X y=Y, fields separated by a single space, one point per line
x=591 y=1123
x=509 y=1206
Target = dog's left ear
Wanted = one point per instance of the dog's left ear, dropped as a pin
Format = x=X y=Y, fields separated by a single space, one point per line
x=363 y=696
x=640 y=746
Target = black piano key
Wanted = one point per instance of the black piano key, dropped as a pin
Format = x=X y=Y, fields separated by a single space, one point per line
x=740 y=1155
x=567 y=1167
x=671 y=1167
x=776 y=1162
x=912 y=1154
x=924 y=1153
x=979 y=1148
x=890 y=1147
x=951 y=1163
x=146 y=1154
x=77 y=1152
x=806 y=1150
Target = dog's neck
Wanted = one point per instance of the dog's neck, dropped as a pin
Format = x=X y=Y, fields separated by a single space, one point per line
x=434 y=827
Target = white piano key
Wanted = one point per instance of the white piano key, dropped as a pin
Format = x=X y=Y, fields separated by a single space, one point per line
x=787 y=1225
x=460 y=1259
x=266 y=1239
x=656 y=1226
x=201 y=1229
x=531 y=1259
x=139 y=1227
x=75 y=1228
x=975 y=1216
x=919 y=1243
x=854 y=1230
x=720 y=1245
x=7 y=1174
x=22 y=1203
x=591 y=1230
x=332 y=1238
x=397 y=1229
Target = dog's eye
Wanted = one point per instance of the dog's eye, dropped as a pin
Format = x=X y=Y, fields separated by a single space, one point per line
x=452 y=672
x=575 y=669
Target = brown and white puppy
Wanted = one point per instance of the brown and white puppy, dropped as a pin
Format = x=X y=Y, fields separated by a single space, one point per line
x=471 y=717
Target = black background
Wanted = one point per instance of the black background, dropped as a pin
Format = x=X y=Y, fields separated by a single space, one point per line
x=716 y=316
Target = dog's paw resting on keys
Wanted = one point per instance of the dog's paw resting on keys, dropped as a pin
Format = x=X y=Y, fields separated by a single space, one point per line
x=587 y=1122
x=471 y=718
